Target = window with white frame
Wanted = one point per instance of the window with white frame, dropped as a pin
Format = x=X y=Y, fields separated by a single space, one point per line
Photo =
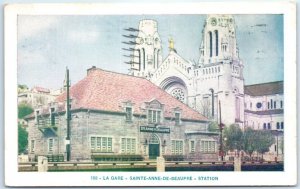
x=208 y=146
x=177 y=147
x=102 y=144
x=50 y=145
x=128 y=113
x=192 y=146
x=32 y=145
x=154 y=116
x=128 y=145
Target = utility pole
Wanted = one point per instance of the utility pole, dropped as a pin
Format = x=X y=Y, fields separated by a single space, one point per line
x=221 y=126
x=277 y=147
x=212 y=103
x=68 y=116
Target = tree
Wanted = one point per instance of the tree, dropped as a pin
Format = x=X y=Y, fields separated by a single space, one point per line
x=22 y=139
x=206 y=108
x=265 y=139
x=213 y=127
x=250 y=141
x=22 y=88
x=24 y=110
x=233 y=134
x=281 y=145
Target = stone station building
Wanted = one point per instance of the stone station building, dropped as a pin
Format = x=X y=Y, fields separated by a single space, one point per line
x=116 y=115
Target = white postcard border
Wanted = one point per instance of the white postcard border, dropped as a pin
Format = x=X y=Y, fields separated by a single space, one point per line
x=15 y=178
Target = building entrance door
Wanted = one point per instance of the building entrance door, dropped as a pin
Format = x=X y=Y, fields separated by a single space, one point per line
x=154 y=150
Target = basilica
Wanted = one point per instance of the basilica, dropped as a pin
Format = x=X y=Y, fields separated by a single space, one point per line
x=216 y=83
x=216 y=80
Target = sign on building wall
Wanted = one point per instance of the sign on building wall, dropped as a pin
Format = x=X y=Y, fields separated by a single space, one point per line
x=154 y=129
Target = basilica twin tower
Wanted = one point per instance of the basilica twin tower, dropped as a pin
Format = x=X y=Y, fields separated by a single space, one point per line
x=217 y=78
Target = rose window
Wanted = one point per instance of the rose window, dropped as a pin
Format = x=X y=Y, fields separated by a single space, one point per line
x=178 y=94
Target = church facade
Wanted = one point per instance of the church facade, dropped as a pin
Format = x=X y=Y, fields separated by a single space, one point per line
x=216 y=83
x=216 y=80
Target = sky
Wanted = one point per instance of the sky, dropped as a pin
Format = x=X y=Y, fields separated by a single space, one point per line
x=49 y=44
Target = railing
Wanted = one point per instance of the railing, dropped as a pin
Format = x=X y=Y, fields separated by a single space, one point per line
x=101 y=157
x=99 y=165
x=166 y=64
x=44 y=124
x=52 y=157
x=47 y=122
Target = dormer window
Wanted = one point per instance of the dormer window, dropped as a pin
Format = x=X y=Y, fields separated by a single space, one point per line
x=154 y=116
x=177 y=115
x=127 y=108
x=128 y=111
x=37 y=113
x=52 y=116
x=154 y=111
x=177 y=118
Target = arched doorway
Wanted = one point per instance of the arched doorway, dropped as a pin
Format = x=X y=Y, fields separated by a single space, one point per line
x=154 y=150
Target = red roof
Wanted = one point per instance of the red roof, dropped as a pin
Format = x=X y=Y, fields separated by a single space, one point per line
x=40 y=90
x=105 y=90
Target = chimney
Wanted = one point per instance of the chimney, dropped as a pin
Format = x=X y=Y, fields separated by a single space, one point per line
x=91 y=69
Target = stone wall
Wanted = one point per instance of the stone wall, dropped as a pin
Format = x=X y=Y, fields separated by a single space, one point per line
x=85 y=125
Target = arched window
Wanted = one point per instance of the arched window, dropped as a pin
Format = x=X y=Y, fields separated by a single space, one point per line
x=154 y=58
x=139 y=54
x=154 y=139
x=277 y=125
x=281 y=125
x=210 y=44
x=178 y=94
x=271 y=104
x=217 y=42
x=265 y=126
x=157 y=57
x=269 y=126
x=237 y=108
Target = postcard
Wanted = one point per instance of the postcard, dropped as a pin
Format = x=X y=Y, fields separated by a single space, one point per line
x=147 y=94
